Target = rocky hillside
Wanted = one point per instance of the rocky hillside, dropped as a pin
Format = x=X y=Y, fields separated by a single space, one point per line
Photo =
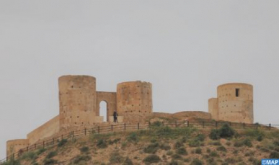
x=161 y=145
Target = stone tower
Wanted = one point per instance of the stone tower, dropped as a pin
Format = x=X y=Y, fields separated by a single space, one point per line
x=134 y=100
x=77 y=99
x=234 y=103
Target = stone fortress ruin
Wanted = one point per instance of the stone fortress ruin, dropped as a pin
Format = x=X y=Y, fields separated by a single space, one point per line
x=234 y=103
x=80 y=107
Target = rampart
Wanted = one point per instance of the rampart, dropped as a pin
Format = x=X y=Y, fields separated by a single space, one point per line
x=79 y=107
x=14 y=146
x=46 y=130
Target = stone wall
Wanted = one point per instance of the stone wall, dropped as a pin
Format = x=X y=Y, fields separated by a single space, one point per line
x=44 y=131
x=13 y=146
x=213 y=108
x=110 y=99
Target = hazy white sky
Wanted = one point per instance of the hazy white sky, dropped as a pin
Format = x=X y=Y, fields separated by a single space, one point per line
x=184 y=48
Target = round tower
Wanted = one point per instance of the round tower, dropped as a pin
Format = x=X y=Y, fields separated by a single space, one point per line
x=235 y=102
x=77 y=99
x=134 y=100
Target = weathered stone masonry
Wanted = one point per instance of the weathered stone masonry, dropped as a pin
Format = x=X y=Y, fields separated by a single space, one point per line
x=80 y=107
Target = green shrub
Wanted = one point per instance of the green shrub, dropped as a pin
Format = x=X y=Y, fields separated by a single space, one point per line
x=165 y=147
x=200 y=137
x=132 y=137
x=213 y=154
x=51 y=154
x=274 y=155
x=247 y=142
x=211 y=161
x=173 y=162
x=153 y=140
x=101 y=143
x=114 y=141
x=62 y=142
x=29 y=156
x=176 y=156
x=84 y=149
x=50 y=161
x=198 y=151
x=81 y=158
x=12 y=162
x=169 y=153
x=181 y=151
x=156 y=124
x=238 y=144
x=128 y=161
x=152 y=159
x=40 y=151
x=178 y=144
x=226 y=131
x=164 y=131
x=194 y=143
x=197 y=162
x=255 y=134
x=115 y=157
x=215 y=143
x=221 y=148
x=230 y=160
x=151 y=148
x=214 y=134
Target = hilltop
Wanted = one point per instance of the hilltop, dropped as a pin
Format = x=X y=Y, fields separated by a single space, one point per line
x=161 y=145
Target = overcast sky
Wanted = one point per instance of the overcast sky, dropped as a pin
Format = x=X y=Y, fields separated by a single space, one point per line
x=184 y=48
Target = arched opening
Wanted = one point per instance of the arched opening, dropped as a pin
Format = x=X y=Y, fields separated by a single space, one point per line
x=103 y=110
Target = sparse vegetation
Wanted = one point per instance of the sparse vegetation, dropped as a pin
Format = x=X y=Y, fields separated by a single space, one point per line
x=224 y=132
x=181 y=151
x=151 y=148
x=197 y=162
x=62 y=142
x=101 y=143
x=132 y=137
x=152 y=159
x=170 y=144
x=81 y=159
x=84 y=149
x=115 y=158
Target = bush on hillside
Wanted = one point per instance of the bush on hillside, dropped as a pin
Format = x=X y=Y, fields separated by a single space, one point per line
x=224 y=132
x=101 y=143
x=151 y=148
x=115 y=157
x=62 y=142
x=152 y=159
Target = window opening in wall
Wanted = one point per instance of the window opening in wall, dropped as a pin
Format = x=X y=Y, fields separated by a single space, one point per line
x=103 y=110
x=237 y=92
